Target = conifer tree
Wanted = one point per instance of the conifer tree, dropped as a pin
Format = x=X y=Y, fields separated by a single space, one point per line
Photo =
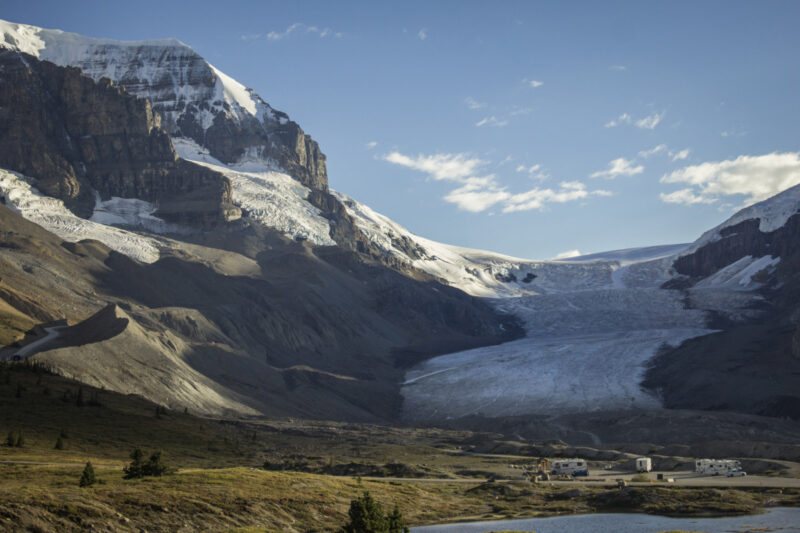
x=88 y=477
x=136 y=468
x=59 y=443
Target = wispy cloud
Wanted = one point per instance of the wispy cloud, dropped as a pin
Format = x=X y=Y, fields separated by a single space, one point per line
x=298 y=28
x=372 y=144
x=733 y=133
x=622 y=119
x=647 y=123
x=422 y=34
x=619 y=167
x=535 y=83
x=685 y=197
x=534 y=172
x=477 y=193
x=492 y=121
x=568 y=254
x=645 y=154
x=473 y=104
x=618 y=68
x=650 y=122
x=568 y=191
x=664 y=149
x=680 y=156
x=754 y=177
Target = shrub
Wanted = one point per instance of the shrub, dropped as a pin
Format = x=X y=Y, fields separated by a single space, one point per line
x=59 y=443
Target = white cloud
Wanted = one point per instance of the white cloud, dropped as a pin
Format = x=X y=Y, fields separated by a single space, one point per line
x=653 y=151
x=649 y=122
x=492 y=121
x=454 y=167
x=534 y=172
x=372 y=144
x=663 y=148
x=568 y=254
x=684 y=196
x=535 y=83
x=422 y=34
x=517 y=111
x=754 y=177
x=472 y=103
x=295 y=28
x=618 y=67
x=622 y=119
x=536 y=198
x=477 y=193
x=619 y=167
x=680 y=156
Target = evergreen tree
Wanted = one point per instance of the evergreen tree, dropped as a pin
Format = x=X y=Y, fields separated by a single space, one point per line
x=154 y=466
x=87 y=478
x=79 y=399
x=59 y=443
x=367 y=516
x=20 y=440
x=136 y=468
x=11 y=440
x=395 y=522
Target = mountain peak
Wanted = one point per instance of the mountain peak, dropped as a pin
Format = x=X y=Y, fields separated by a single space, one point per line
x=195 y=99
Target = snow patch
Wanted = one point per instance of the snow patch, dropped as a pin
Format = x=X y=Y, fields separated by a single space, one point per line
x=131 y=212
x=52 y=215
x=739 y=274
x=273 y=198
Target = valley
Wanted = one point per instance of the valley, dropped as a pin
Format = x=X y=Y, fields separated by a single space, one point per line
x=177 y=274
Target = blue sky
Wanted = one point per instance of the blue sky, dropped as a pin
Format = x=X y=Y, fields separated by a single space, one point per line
x=528 y=128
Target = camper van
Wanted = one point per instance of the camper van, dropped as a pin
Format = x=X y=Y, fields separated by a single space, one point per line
x=575 y=467
x=644 y=464
x=716 y=467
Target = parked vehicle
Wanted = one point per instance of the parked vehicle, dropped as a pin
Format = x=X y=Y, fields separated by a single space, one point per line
x=716 y=467
x=736 y=473
x=644 y=464
x=574 y=467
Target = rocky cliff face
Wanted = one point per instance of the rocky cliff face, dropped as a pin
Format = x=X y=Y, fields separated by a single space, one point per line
x=195 y=99
x=737 y=241
x=78 y=136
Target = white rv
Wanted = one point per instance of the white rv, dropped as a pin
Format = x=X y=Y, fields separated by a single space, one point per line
x=575 y=467
x=644 y=464
x=716 y=467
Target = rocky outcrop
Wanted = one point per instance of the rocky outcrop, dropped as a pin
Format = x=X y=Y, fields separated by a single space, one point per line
x=195 y=100
x=738 y=241
x=77 y=137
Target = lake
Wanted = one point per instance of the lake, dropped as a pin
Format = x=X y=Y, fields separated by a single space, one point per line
x=779 y=519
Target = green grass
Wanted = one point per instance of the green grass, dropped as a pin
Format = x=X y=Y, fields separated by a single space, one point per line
x=218 y=484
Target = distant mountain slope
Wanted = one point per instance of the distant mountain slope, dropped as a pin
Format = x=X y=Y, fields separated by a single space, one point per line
x=278 y=331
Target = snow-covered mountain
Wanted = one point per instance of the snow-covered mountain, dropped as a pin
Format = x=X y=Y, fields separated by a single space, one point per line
x=593 y=322
x=195 y=99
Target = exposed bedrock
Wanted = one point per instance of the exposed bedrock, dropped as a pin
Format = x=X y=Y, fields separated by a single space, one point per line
x=77 y=136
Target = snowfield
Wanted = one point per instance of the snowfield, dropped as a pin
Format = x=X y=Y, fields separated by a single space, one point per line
x=51 y=214
x=266 y=194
